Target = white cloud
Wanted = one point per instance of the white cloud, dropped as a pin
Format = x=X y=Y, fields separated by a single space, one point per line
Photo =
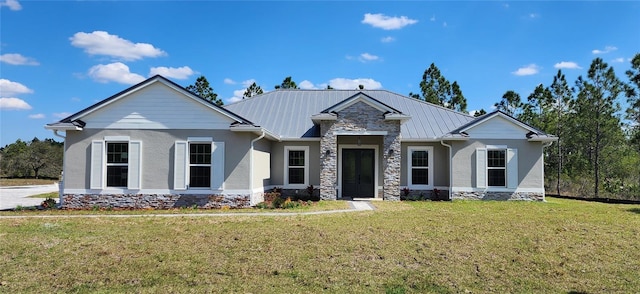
x=12 y=4
x=114 y=72
x=444 y=24
x=618 y=60
x=179 y=73
x=13 y=104
x=237 y=96
x=62 y=114
x=388 y=39
x=17 y=59
x=247 y=83
x=528 y=70
x=306 y=85
x=534 y=15
x=607 y=49
x=384 y=22
x=37 y=116
x=9 y=88
x=351 y=84
x=433 y=18
x=103 y=43
x=364 y=57
x=567 y=65
x=229 y=81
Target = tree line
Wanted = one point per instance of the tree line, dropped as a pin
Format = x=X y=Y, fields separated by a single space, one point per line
x=598 y=150
x=31 y=159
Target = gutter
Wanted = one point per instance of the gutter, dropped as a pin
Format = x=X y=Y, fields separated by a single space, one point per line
x=450 y=169
x=262 y=135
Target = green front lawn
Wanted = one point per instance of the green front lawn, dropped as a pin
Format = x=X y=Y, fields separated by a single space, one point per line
x=413 y=247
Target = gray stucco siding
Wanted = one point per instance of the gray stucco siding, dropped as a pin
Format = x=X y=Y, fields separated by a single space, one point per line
x=261 y=163
x=440 y=163
x=157 y=155
x=277 y=161
x=530 y=164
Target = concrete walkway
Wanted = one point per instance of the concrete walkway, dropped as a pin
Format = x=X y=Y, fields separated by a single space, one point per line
x=11 y=197
x=353 y=207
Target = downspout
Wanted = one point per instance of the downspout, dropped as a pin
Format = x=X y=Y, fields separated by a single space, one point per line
x=251 y=163
x=61 y=183
x=450 y=169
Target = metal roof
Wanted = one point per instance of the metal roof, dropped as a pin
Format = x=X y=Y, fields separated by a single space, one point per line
x=287 y=113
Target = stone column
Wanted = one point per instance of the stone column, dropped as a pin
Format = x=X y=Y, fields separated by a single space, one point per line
x=391 y=164
x=328 y=162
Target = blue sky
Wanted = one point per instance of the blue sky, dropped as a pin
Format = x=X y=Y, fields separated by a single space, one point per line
x=58 y=57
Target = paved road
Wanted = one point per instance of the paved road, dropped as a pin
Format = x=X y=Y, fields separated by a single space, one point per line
x=10 y=197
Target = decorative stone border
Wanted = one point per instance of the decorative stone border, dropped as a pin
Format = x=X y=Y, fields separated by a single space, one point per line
x=154 y=201
x=531 y=196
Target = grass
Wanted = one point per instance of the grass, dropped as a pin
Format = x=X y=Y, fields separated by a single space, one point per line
x=25 y=182
x=315 y=206
x=53 y=195
x=410 y=247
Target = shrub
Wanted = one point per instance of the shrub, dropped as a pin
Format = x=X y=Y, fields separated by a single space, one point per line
x=263 y=205
x=277 y=202
x=270 y=196
x=290 y=204
x=48 y=203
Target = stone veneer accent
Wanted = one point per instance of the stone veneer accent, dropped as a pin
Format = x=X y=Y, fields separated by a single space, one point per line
x=532 y=196
x=153 y=201
x=425 y=194
x=360 y=117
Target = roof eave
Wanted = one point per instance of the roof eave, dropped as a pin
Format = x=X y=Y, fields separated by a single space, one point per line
x=543 y=139
x=396 y=116
x=254 y=129
x=63 y=127
x=320 y=117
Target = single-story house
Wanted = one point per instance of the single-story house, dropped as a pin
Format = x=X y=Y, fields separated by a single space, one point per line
x=157 y=145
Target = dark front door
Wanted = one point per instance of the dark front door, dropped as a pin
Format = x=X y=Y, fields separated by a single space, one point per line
x=358 y=172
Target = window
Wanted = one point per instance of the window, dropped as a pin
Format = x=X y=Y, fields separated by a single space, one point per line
x=296 y=166
x=117 y=164
x=420 y=161
x=497 y=168
x=200 y=165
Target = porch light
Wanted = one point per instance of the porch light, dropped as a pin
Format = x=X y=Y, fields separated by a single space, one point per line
x=391 y=151
x=328 y=152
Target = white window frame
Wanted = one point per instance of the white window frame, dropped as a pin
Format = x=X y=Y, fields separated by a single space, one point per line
x=286 y=167
x=512 y=180
x=107 y=164
x=189 y=164
x=497 y=148
x=429 y=150
x=181 y=165
x=99 y=165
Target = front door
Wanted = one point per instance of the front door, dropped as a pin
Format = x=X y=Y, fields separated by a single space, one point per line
x=358 y=172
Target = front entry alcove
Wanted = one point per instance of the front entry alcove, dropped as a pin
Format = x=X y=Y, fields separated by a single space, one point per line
x=358 y=166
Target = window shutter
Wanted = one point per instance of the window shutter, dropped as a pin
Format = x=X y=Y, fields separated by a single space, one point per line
x=97 y=165
x=180 y=165
x=217 y=166
x=481 y=168
x=512 y=168
x=135 y=165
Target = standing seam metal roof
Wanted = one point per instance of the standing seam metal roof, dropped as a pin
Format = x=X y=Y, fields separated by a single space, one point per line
x=288 y=113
